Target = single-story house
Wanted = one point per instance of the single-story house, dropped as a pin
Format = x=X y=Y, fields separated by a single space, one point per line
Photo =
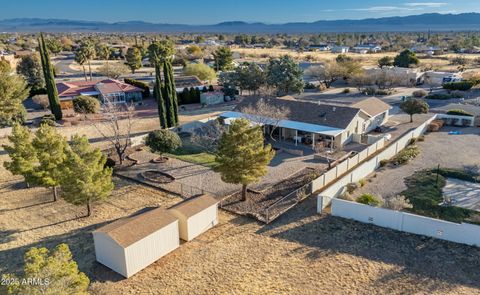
x=319 y=47
x=111 y=89
x=366 y=48
x=195 y=216
x=130 y=244
x=182 y=82
x=409 y=76
x=340 y=49
x=315 y=124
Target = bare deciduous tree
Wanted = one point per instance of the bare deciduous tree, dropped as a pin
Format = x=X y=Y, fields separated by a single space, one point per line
x=266 y=114
x=208 y=136
x=116 y=126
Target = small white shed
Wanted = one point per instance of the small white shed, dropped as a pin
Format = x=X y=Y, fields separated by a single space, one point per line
x=195 y=216
x=130 y=244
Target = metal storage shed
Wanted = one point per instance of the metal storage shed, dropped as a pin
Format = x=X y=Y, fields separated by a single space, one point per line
x=195 y=216
x=130 y=244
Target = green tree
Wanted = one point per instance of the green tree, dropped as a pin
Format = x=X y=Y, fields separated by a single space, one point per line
x=170 y=95
x=406 y=59
x=134 y=59
x=13 y=91
x=21 y=152
x=250 y=77
x=285 y=75
x=31 y=69
x=54 y=45
x=163 y=141
x=242 y=156
x=86 y=179
x=55 y=271
x=385 y=61
x=159 y=51
x=223 y=59
x=85 y=104
x=157 y=90
x=87 y=52
x=51 y=150
x=81 y=59
x=414 y=106
x=5 y=66
x=102 y=51
x=48 y=73
x=202 y=71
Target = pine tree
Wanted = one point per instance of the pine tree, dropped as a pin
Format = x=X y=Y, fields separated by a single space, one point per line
x=51 y=150
x=56 y=271
x=174 y=93
x=158 y=95
x=242 y=157
x=50 y=80
x=21 y=153
x=134 y=59
x=86 y=179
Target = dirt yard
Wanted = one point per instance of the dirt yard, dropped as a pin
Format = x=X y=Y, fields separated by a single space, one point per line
x=439 y=148
x=300 y=253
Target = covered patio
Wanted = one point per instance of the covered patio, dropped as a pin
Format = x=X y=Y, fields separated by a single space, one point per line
x=316 y=137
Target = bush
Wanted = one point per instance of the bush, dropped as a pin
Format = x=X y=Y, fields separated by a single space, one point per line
x=48 y=119
x=407 y=154
x=463 y=85
x=163 y=141
x=457 y=94
x=309 y=86
x=419 y=93
x=458 y=174
x=383 y=163
x=346 y=90
x=86 y=104
x=351 y=187
x=383 y=92
x=41 y=100
x=362 y=182
x=459 y=112
x=210 y=88
x=368 y=199
x=202 y=71
x=397 y=203
x=439 y=96
x=139 y=84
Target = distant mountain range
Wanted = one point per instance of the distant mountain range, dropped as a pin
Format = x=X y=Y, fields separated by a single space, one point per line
x=424 y=22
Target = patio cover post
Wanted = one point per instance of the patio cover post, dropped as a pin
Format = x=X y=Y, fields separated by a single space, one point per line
x=313 y=141
x=296 y=137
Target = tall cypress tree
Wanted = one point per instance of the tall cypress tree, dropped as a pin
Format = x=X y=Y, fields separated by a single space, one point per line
x=158 y=95
x=169 y=96
x=52 y=91
x=174 y=94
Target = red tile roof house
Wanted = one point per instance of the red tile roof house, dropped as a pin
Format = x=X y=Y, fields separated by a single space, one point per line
x=114 y=90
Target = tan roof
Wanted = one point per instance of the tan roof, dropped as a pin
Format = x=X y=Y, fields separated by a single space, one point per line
x=372 y=106
x=129 y=230
x=195 y=205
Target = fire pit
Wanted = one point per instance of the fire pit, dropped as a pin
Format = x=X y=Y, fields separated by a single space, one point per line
x=157 y=176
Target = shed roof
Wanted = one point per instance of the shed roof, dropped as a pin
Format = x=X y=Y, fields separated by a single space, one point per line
x=372 y=106
x=194 y=205
x=127 y=231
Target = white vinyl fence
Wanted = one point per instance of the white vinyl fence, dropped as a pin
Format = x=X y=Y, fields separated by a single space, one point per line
x=364 y=169
x=463 y=233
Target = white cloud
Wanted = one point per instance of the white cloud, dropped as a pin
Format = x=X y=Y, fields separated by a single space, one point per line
x=384 y=8
x=426 y=4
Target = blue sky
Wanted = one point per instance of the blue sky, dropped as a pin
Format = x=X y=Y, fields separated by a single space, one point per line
x=214 y=11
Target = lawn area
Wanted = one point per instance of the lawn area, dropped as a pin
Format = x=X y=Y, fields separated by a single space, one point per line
x=189 y=152
x=424 y=191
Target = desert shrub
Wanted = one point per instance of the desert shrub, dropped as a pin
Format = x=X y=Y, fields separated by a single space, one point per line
x=48 y=119
x=457 y=94
x=346 y=90
x=407 y=154
x=383 y=92
x=459 y=112
x=419 y=93
x=370 y=91
x=309 y=86
x=383 y=163
x=458 y=174
x=163 y=141
x=421 y=138
x=459 y=61
x=139 y=84
x=463 y=85
x=347 y=197
x=86 y=104
x=412 y=141
x=397 y=203
x=368 y=199
x=351 y=187
x=439 y=96
x=41 y=100
x=362 y=182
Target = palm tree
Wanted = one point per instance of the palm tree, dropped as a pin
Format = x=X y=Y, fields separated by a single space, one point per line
x=81 y=59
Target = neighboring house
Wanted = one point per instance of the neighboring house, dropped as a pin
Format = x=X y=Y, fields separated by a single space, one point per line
x=319 y=47
x=409 y=76
x=340 y=49
x=113 y=90
x=182 y=82
x=316 y=123
x=430 y=50
x=367 y=48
